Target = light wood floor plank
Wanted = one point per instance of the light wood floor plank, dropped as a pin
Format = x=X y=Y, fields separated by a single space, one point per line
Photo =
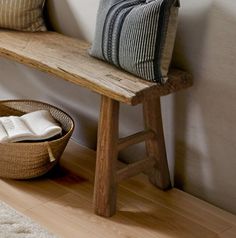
x=23 y=195
x=215 y=219
x=177 y=198
x=141 y=210
x=59 y=224
x=78 y=212
x=177 y=202
x=62 y=202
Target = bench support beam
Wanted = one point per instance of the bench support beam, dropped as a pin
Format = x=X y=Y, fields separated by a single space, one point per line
x=134 y=139
x=135 y=168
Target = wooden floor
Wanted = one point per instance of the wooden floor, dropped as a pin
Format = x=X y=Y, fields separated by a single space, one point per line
x=62 y=202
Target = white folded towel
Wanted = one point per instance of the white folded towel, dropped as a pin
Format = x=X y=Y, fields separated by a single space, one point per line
x=38 y=125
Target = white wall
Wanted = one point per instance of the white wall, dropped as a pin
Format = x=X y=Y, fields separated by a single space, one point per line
x=199 y=123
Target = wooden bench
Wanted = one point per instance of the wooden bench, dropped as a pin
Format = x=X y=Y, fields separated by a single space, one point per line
x=68 y=58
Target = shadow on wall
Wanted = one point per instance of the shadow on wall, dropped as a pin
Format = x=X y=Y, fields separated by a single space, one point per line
x=82 y=104
x=205 y=138
x=75 y=18
x=181 y=102
x=61 y=18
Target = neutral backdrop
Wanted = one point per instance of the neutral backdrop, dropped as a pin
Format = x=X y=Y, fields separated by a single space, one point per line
x=199 y=123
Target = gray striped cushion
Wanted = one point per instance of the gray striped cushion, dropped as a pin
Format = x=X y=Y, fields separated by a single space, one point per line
x=137 y=35
x=23 y=15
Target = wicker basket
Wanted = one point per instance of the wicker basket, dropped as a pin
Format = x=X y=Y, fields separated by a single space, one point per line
x=32 y=159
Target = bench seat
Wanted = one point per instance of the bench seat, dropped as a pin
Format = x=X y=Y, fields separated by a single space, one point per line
x=68 y=58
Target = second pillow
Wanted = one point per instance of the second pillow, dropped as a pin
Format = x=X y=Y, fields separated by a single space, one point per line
x=22 y=15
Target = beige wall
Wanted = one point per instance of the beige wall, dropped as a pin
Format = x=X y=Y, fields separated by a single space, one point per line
x=199 y=123
x=205 y=137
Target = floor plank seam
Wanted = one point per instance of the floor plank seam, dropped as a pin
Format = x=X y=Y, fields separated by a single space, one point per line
x=225 y=230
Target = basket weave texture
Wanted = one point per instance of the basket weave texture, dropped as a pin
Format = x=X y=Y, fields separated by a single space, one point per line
x=26 y=160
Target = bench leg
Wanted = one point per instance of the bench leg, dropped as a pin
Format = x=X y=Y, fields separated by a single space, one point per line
x=155 y=146
x=105 y=176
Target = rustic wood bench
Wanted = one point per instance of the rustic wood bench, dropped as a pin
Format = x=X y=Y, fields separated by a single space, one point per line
x=68 y=58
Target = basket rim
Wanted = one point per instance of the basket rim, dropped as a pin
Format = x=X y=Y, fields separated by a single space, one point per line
x=47 y=104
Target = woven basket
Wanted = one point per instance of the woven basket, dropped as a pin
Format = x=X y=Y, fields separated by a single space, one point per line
x=32 y=159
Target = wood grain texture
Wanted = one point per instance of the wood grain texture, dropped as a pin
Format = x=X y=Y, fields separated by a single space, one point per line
x=68 y=58
x=135 y=168
x=105 y=177
x=134 y=139
x=43 y=192
x=155 y=147
x=229 y=233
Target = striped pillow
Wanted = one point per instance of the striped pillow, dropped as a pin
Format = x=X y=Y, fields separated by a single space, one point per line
x=137 y=35
x=22 y=15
